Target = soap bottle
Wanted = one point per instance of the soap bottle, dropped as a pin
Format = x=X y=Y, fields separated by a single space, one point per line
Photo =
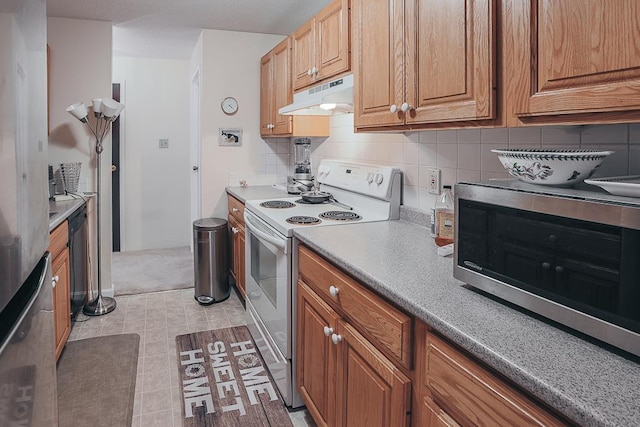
x=444 y=217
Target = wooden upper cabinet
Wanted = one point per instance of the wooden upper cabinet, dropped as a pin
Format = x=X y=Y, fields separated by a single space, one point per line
x=378 y=61
x=450 y=57
x=572 y=59
x=321 y=46
x=422 y=62
x=275 y=90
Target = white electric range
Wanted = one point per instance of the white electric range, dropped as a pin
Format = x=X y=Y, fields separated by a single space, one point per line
x=363 y=192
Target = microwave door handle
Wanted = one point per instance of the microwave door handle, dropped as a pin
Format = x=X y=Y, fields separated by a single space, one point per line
x=280 y=244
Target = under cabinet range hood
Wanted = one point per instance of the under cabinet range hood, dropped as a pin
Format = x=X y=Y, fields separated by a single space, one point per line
x=333 y=97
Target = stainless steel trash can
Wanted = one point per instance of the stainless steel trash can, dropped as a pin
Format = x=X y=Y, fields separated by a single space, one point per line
x=211 y=260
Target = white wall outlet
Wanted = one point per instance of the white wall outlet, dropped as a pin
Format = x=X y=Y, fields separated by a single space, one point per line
x=164 y=143
x=433 y=184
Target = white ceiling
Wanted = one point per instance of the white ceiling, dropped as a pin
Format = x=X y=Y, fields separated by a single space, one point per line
x=170 y=28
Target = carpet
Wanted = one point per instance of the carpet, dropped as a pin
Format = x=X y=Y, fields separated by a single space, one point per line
x=225 y=382
x=152 y=270
x=97 y=381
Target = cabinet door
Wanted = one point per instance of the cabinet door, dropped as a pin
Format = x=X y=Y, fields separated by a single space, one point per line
x=378 y=61
x=574 y=57
x=450 y=60
x=282 y=92
x=303 y=54
x=332 y=40
x=370 y=390
x=474 y=396
x=435 y=416
x=316 y=355
x=61 y=300
x=266 y=94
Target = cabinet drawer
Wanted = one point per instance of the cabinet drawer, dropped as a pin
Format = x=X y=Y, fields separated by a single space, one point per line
x=236 y=208
x=384 y=324
x=472 y=395
x=59 y=239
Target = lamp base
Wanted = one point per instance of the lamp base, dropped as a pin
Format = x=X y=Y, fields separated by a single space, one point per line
x=99 y=306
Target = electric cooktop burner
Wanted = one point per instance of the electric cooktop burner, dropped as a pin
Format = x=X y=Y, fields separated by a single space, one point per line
x=304 y=202
x=303 y=220
x=341 y=216
x=277 y=204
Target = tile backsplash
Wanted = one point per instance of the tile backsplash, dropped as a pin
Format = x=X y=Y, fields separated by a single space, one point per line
x=461 y=155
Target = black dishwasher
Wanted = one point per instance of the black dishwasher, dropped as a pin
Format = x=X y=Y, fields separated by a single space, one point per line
x=78 y=244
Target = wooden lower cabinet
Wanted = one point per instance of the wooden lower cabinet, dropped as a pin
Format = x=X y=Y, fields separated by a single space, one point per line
x=236 y=233
x=316 y=355
x=61 y=268
x=370 y=390
x=343 y=379
x=350 y=375
x=459 y=391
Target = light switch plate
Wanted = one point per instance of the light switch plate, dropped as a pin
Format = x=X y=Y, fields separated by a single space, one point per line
x=164 y=143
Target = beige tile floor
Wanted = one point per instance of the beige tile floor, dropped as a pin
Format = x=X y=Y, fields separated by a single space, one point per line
x=158 y=318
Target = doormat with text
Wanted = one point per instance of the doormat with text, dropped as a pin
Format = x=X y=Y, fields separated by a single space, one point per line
x=225 y=382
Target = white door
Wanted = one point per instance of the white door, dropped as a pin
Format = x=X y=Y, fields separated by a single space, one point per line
x=195 y=149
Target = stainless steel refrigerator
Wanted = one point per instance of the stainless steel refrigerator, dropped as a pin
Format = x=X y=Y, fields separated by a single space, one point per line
x=27 y=360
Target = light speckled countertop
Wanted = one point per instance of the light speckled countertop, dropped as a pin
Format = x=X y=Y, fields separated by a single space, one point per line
x=60 y=210
x=257 y=192
x=588 y=384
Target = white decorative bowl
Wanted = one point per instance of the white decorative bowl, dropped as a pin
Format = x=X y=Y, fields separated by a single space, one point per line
x=560 y=168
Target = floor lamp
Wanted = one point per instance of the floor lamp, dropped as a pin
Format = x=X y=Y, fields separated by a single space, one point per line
x=106 y=112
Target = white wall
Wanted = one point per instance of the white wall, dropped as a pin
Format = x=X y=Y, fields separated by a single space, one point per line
x=461 y=155
x=80 y=69
x=230 y=66
x=154 y=181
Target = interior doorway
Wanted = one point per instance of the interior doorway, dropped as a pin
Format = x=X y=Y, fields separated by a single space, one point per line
x=115 y=173
x=195 y=149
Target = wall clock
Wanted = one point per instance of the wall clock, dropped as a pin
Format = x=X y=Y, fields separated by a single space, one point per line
x=229 y=105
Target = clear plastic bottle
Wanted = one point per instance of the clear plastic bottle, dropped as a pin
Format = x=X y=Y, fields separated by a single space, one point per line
x=444 y=217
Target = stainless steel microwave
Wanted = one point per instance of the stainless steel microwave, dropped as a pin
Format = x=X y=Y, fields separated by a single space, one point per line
x=569 y=254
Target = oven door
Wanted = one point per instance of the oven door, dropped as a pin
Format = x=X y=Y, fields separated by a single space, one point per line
x=268 y=279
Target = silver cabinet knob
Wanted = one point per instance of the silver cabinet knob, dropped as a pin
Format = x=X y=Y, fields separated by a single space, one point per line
x=405 y=107
x=54 y=281
x=235 y=230
x=336 y=338
x=235 y=210
x=393 y=108
x=333 y=291
x=327 y=331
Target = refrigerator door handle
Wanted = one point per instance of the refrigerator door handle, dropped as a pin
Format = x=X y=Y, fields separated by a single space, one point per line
x=25 y=307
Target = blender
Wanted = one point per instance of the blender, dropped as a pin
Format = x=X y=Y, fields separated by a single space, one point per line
x=302 y=179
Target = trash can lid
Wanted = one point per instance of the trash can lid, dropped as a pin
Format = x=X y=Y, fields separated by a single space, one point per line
x=209 y=223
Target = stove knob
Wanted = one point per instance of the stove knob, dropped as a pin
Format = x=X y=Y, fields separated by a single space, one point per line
x=379 y=178
x=370 y=177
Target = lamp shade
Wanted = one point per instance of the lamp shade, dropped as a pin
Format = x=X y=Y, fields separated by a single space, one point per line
x=97 y=105
x=111 y=108
x=78 y=110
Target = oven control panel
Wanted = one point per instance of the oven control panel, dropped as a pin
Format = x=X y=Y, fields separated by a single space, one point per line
x=371 y=180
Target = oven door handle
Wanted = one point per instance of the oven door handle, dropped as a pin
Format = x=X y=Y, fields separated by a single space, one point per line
x=253 y=228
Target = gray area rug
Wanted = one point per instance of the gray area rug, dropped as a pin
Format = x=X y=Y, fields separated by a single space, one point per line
x=97 y=381
x=152 y=270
